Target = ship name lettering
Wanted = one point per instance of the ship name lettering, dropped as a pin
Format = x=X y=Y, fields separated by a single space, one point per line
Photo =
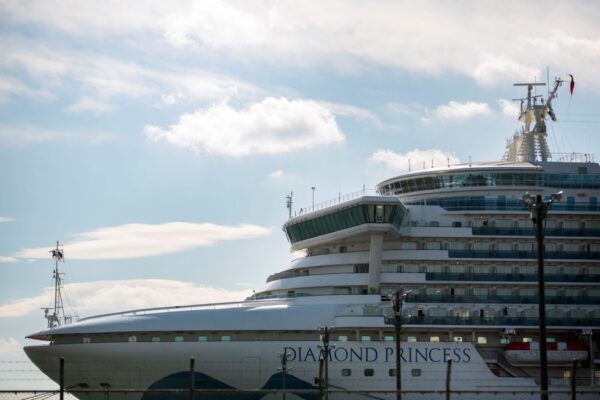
x=371 y=354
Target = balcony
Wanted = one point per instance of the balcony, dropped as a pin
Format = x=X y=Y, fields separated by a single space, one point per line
x=557 y=255
x=498 y=277
x=499 y=231
x=502 y=321
x=494 y=299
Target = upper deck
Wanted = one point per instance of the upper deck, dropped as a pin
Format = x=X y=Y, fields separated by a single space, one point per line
x=518 y=177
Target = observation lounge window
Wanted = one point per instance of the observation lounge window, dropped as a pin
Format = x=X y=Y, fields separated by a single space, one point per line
x=179 y=338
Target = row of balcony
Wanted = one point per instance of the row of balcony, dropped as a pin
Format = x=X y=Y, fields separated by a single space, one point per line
x=520 y=231
x=558 y=255
x=502 y=321
x=499 y=277
x=512 y=299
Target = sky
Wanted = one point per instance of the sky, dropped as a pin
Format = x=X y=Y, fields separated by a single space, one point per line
x=157 y=140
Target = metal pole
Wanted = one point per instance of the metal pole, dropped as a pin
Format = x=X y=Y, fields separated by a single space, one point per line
x=321 y=362
x=192 y=377
x=397 y=331
x=573 y=383
x=326 y=363
x=540 y=214
x=448 y=373
x=62 y=378
x=284 y=358
x=313 y=197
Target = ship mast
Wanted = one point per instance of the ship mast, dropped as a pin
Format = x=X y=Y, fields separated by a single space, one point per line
x=57 y=317
x=529 y=144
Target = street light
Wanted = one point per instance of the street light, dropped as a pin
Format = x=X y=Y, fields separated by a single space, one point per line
x=324 y=333
x=398 y=300
x=538 y=213
x=313 y=197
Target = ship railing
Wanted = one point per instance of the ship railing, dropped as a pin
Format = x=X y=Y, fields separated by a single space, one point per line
x=188 y=307
x=573 y=157
x=499 y=321
x=509 y=277
x=519 y=231
x=341 y=198
x=561 y=255
x=494 y=299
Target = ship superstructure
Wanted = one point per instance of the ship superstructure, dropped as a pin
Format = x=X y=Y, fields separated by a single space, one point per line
x=457 y=242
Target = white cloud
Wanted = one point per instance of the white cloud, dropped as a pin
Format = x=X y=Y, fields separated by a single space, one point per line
x=29 y=134
x=455 y=110
x=144 y=240
x=509 y=108
x=351 y=111
x=50 y=67
x=4 y=259
x=118 y=295
x=276 y=174
x=6 y=219
x=341 y=33
x=13 y=87
x=270 y=127
x=494 y=69
x=10 y=346
x=92 y=105
x=399 y=162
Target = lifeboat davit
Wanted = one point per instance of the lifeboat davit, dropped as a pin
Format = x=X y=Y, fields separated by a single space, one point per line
x=528 y=353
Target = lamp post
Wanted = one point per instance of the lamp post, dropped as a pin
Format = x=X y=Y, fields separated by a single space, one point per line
x=398 y=301
x=325 y=331
x=538 y=214
x=313 y=197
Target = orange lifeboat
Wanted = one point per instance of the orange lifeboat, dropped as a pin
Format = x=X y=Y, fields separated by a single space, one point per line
x=528 y=353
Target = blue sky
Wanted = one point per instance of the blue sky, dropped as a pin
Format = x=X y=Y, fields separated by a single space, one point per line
x=158 y=140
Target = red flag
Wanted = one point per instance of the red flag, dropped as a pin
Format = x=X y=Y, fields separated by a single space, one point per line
x=572 y=86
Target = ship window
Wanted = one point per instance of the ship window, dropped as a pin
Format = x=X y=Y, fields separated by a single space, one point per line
x=527 y=340
x=597 y=377
x=408 y=245
x=87 y=340
x=481 y=340
x=133 y=338
x=456 y=224
x=225 y=338
x=369 y=372
x=156 y=338
x=411 y=339
x=342 y=338
x=388 y=338
x=392 y=372
x=504 y=340
x=415 y=372
x=346 y=372
x=202 y=338
x=365 y=338
x=179 y=338
x=433 y=246
x=434 y=224
x=434 y=338
x=457 y=339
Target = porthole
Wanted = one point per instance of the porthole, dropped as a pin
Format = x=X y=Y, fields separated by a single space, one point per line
x=369 y=372
x=346 y=372
x=415 y=372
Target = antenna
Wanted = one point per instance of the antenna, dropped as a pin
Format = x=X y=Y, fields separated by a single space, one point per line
x=58 y=312
x=289 y=202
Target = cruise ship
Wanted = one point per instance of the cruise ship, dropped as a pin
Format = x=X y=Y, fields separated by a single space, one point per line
x=444 y=259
